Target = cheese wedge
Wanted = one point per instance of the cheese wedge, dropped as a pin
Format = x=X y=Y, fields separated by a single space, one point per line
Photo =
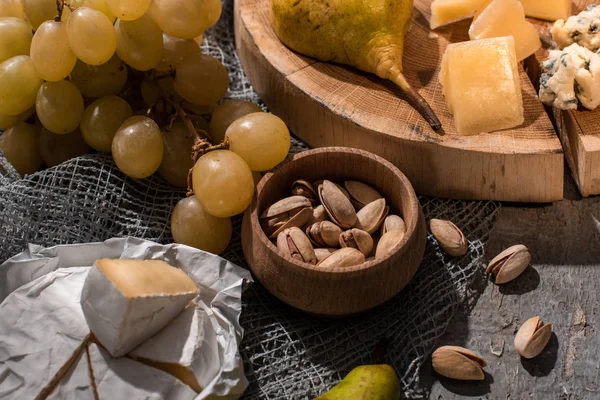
x=127 y=301
x=42 y=329
x=481 y=84
x=444 y=12
x=550 y=10
x=503 y=18
x=193 y=357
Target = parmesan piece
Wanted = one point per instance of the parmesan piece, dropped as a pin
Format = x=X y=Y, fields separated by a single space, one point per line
x=481 y=84
x=506 y=18
x=127 y=301
x=444 y=12
x=191 y=357
x=583 y=29
x=550 y=10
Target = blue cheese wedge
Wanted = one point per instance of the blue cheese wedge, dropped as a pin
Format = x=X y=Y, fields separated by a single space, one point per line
x=126 y=302
x=583 y=29
x=572 y=76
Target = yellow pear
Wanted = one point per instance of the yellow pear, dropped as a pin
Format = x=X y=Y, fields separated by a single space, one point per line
x=366 y=34
x=367 y=382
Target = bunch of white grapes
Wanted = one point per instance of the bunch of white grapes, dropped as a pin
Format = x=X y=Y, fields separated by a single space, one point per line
x=128 y=77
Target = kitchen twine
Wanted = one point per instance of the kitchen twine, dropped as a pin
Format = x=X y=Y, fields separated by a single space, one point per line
x=287 y=354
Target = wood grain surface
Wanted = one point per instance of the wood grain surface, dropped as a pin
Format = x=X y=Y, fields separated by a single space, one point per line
x=335 y=291
x=326 y=104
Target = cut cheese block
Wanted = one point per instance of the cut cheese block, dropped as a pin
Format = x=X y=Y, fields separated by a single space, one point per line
x=550 y=10
x=123 y=378
x=481 y=84
x=503 y=18
x=192 y=356
x=127 y=301
x=42 y=329
x=444 y=12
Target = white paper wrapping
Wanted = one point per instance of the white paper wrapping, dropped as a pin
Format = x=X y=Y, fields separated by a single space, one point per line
x=220 y=284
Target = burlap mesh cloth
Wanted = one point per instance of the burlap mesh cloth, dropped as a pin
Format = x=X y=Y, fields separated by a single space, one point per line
x=288 y=355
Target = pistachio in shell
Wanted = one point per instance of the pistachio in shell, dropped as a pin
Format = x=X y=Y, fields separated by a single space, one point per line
x=324 y=252
x=458 y=363
x=532 y=337
x=388 y=243
x=318 y=183
x=393 y=223
x=371 y=216
x=324 y=234
x=304 y=188
x=346 y=257
x=287 y=207
x=319 y=214
x=297 y=221
x=338 y=207
x=294 y=244
x=361 y=194
x=357 y=239
x=509 y=264
x=450 y=238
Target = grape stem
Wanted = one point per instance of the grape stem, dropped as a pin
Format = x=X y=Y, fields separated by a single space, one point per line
x=60 y=5
x=200 y=148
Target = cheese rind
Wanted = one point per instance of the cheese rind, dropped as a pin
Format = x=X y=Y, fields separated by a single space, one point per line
x=506 y=18
x=444 y=12
x=127 y=301
x=550 y=10
x=481 y=84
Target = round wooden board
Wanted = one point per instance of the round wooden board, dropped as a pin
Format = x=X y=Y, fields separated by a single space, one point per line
x=332 y=105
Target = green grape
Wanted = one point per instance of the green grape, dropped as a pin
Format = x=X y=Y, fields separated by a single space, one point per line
x=177 y=159
x=91 y=36
x=101 y=120
x=56 y=149
x=175 y=50
x=39 y=11
x=12 y=8
x=128 y=10
x=201 y=79
x=15 y=37
x=192 y=226
x=223 y=183
x=50 y=52
x=261 y=139
x=137 y=147
x=59 y=106
x=185 y=19
x=21 y=147
x=150 y=93
x=101 y=6
x=139 y=43
x=100 y=80
x=19 y=84
x=6 y=121
x=226 y=113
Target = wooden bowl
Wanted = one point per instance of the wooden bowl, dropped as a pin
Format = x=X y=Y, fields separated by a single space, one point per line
x=335 y=291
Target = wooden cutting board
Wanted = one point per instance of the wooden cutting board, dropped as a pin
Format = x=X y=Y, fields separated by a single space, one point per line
x=332 y=105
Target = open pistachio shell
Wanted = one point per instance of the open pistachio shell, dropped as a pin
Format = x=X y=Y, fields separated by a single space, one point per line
x=532 y=337
x=337 y=205
x=458 y=363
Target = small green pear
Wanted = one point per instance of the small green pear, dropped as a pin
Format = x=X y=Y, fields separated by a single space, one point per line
x=367 y=382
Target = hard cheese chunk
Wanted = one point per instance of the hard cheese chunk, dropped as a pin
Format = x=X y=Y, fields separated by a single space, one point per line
x=481 y=85
x=547 y=9
x=444 y=12
x=503 y=18
x=186 y=348
x=127 y=301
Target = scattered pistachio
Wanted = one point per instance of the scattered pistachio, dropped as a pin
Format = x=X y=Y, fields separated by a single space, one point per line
x=294 y=243
x=458 y=363
x=509 y=264
x=346 y=257
x=450 y=238
x=532 y=337
x=357 y=239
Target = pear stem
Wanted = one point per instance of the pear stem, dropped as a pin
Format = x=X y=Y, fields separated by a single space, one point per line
x=416 y=100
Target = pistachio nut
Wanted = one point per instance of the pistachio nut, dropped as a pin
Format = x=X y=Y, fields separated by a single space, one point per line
x=346 y=257
x=304 y=188
x=324 y=233
x=297 y=221
x=357 y=239
x=509 y=264
x=450 y=238
x=322 y=253
x=287 y=207
x=337 y=205
x=393 y=223
x=361 y=194
x=371 y=216
x=532 y=337
x=458 y=363
x=388 y=243
x=318 y=183
x=294 y=243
